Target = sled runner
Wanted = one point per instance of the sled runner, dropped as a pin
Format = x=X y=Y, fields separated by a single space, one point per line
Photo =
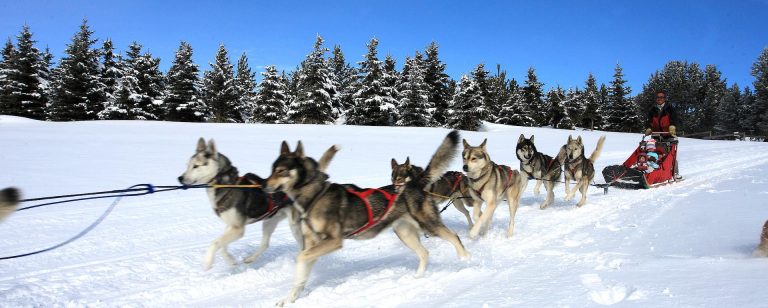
x=635 y=174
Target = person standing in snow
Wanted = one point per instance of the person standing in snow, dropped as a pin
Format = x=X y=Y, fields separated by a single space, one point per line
x=663 y=118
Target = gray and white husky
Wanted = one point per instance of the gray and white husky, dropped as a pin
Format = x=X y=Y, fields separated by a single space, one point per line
x=333 y=212
x=539 y=166
x=237 y=207
x=578 y=167
x=490 y=183
x=9 y=199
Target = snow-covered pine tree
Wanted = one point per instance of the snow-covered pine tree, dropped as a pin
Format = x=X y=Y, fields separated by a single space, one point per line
x=245 y=85
x=555 y=98
x=77 y=91
x=728 y=112
x=374 y=104
x=499 y=93
x=622 y=114
x=437 y=84
x=533 y=98
x=414 y=102
x=748 y=122
x=111 y=73
x=390 y=81
x=140 y=90
x=219 y=89
x=316 y=92
x=344 y=79
x=760 y=72
x=467 y=107
x=480 y=76
x=183 y=99
x=574 y=106
x=591 y=117
x=29 y=96
x=714 y=91
x=272 y=98
x=7 y=85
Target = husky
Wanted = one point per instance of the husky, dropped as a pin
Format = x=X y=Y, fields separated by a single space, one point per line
x=452 y=186
x=490 y=182
x=762 y=249
x=237 y=207
x=578 y=167
x=538 y=166
x=333 y=212
x=9 y=199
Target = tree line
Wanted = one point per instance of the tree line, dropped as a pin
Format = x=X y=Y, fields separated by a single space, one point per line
x=94 y=82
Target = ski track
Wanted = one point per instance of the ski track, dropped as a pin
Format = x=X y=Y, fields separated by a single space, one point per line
x=161 y=264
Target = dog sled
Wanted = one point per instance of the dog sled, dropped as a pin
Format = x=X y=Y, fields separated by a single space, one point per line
x=635 y=173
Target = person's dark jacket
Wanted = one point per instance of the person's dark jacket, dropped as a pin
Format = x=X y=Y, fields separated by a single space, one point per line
x=659 y=120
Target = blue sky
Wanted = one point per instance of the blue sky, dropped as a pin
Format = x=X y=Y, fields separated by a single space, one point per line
x=562 y=40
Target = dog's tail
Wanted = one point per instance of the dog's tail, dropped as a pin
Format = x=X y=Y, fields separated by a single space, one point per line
x=441 y=160
x=9 y=198
x=762 y=249
x=325 y=160
x=596 y=154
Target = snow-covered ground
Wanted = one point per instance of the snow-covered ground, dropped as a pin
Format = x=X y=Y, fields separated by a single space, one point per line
x=681 y=245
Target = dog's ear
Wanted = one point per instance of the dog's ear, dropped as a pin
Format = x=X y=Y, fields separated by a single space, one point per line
x=531 y=138
x=520 y=140
x=466 y=144
x=394 y=164
x=407 y=162
x=569 y=139
x=284 y=149
x=579 y=140
x=212 y=149
x=200 y=145
x=482 y=145
x=299 y=149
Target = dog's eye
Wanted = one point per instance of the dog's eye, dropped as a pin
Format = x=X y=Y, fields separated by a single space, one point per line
x=195 y=166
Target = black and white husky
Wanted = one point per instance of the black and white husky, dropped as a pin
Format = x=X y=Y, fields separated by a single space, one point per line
x=237 y=207
x=9 y=198
x=538 y=166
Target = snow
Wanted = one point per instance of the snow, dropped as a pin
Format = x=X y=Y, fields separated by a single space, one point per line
x=680 y=245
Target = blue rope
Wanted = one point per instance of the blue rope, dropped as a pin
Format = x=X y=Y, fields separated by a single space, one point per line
x=146 y=188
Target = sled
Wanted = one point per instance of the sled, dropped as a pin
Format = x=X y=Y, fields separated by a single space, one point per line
x=625 y=176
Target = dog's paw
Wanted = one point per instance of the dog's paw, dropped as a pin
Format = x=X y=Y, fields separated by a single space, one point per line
x=251 y=259
x=474 y=232
x=543 y=205
x=466 y=257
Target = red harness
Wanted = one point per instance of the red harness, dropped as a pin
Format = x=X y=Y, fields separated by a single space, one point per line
x=363 y=195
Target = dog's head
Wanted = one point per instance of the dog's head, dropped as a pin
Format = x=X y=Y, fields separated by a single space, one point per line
x=525 y=148
x=204 y=165
x=475 y=158
x=291 y=169
x=574 y=148
x=402 y=174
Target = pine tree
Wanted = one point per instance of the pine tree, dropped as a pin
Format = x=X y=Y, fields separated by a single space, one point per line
x=7 y=84
x=621 y=113
x=140 y=89
x=316 y=92
x=748 y=122
x=245 y=85
x=574 y=106
x=467 y=106
x=760 y=72
x=219 y=90
x=26 y=79
x=77 y=91
x=555 y=99
x=344 y=80
x=591 y=117
x=714 y=91
x=414 y=102
x=728 y=112
x=438 y=84
x=272 y=98
x=532 y=95
x=183 y=98
x=374 y=104
x=480 y=77
x=391 y=80
x=498 y=94
x=111 y=73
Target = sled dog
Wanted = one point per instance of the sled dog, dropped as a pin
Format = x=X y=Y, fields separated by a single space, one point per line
x=237 y=207
x=578 y=167
x=452 y=185
x=332 y=212
x=539 y=166
x=762 y=249
x=490 y=182
x=9 y=199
